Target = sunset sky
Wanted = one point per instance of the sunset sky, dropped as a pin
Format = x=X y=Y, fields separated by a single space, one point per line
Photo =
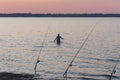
x=59 y=6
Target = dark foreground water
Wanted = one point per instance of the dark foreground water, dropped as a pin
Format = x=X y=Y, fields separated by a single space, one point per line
x=21 y=40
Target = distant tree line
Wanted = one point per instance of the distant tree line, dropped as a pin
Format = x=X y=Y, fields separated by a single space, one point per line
x=57 y=15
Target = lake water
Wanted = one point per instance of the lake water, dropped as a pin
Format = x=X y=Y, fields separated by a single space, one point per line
x=22 y=38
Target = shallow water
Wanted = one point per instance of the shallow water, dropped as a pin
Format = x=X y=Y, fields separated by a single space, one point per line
x=21 y=40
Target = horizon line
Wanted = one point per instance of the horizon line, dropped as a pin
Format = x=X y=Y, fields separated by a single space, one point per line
x=58 y=13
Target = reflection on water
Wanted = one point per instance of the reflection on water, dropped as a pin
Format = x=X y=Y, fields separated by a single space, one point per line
x=21 y=40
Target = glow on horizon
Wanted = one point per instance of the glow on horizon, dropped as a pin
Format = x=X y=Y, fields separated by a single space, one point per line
x=59 y=6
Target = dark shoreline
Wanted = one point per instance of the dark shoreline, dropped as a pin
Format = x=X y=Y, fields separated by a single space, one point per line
x=57 y=15
x=14 y=76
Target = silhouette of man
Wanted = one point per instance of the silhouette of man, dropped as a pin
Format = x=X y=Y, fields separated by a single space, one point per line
x=58 y=39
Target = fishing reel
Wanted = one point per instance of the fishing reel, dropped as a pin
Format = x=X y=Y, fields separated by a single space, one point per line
x=70 y=65
x=38 y=61
x=114 y=71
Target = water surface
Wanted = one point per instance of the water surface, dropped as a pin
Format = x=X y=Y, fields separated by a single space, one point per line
x=21 y=40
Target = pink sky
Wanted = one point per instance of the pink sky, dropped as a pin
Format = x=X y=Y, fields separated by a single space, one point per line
x=59 y=6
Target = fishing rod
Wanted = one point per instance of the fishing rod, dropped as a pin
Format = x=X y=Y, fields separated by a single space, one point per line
x=70 y=65
x=114 y=69
x=38 y=60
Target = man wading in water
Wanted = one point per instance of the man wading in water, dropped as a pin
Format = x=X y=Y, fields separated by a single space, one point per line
x=58 y=39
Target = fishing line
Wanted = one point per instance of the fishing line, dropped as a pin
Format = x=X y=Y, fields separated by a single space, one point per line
x=114 y=69
x=38 y=60
x=70 y=65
